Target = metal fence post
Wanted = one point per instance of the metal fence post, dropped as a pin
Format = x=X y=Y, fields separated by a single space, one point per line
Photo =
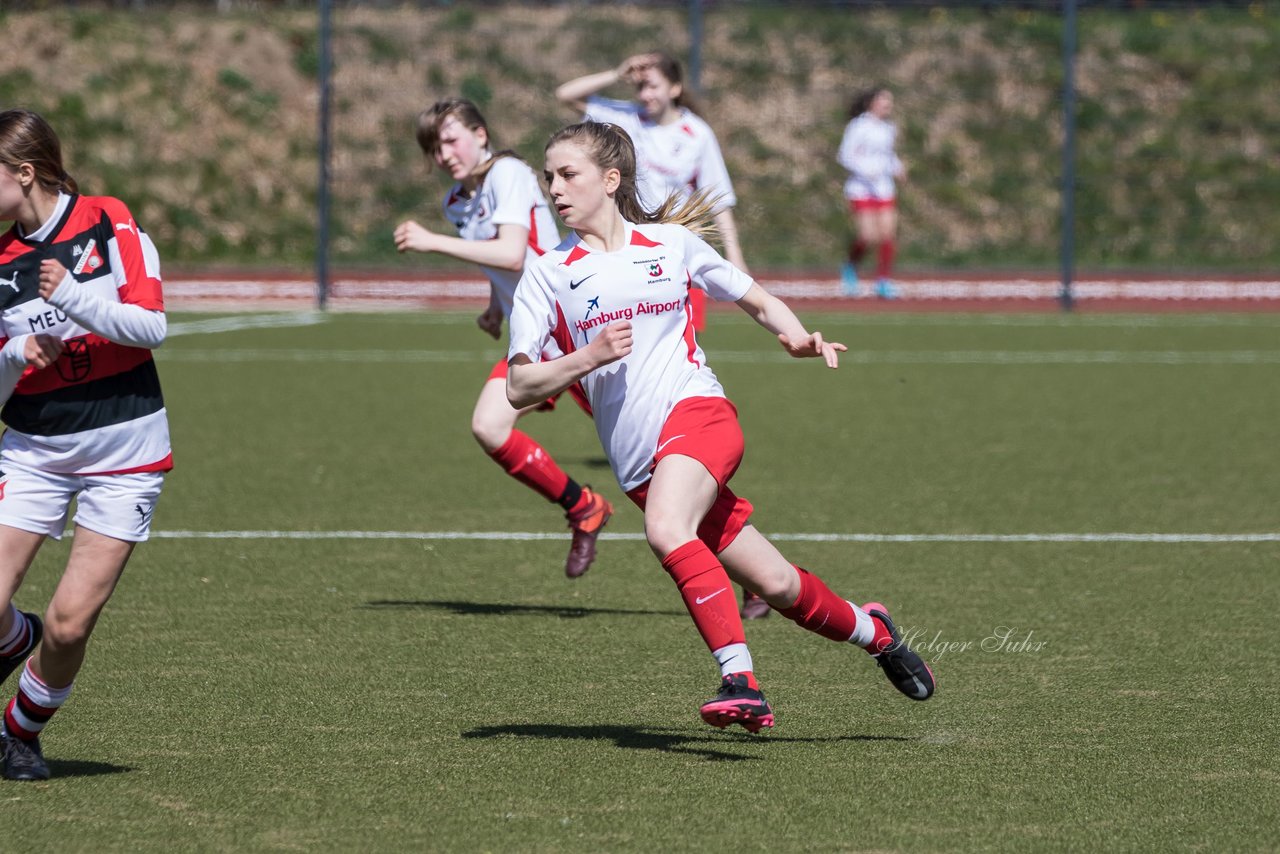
x=1068 y=151
x=695 y=45
x=322 y=190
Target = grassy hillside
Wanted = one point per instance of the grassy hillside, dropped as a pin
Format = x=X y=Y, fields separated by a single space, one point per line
x=206 y=123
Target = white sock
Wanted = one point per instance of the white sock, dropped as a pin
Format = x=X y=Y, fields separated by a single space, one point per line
x=863 y=632
x=734 y=658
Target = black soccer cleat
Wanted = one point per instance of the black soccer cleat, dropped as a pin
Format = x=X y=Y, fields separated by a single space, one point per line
x=23 y=759
x=8 y=665
x=901 y=664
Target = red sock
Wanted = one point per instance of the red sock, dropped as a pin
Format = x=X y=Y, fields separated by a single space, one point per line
x=884 y=264
x=821 y=611
x=525 y=460
x=857 y=249
x=707 y=593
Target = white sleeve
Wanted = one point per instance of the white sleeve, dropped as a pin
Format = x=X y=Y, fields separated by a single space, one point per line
x=130 y=325
x=12 y=365
x=512 y=192
x=624 y=114
x=533 y=317
x=713 y=175
x=710 y=271
x=849 y=146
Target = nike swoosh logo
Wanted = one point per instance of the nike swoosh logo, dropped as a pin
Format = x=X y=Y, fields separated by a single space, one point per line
x=668 y=442
x=574 y=285
x=701 y=599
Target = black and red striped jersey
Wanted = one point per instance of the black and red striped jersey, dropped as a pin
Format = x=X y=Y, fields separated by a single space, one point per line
x=99 y=408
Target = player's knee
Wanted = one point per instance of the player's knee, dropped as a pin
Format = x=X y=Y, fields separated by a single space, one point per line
x=64 y=631
x=492 y=433
x=665 y=533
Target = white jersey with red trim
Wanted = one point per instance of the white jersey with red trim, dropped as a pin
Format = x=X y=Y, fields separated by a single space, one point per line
x=509 y=195
x=866 y=152
x=568 y=295
x=681 y=157
x=98 y=409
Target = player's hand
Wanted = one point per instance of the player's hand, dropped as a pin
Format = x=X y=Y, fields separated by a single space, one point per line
x=411 y=237
x=812 y=346
x=51 y=275
x=634 y=66
x=491 y=321
x=612 y=344
x=41 y=350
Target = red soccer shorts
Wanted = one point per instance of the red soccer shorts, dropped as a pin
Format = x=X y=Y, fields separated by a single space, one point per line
x=857 y=205
x=706 y=429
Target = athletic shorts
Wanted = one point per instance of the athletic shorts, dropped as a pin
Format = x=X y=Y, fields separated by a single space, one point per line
x=859 y=205
x=115 y=505
x=575 y=391
x=706 y=429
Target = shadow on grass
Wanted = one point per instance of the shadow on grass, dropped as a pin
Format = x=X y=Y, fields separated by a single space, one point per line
x=59 y=768
x=487 y=608
x=667 y=741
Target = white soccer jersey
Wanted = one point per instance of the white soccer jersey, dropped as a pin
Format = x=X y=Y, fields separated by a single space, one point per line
x=509 y=195
x=681 y=157
x=568 y=295
x=866 y=151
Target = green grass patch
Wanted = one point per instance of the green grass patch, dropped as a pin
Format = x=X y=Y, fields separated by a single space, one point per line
x=340 y=694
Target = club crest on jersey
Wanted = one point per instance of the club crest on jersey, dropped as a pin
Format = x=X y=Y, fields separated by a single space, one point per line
x=655 y=270
x=89 y=261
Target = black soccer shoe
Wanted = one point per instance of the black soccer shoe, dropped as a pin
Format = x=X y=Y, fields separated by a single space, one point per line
x=23 y=759
x=738 y=703
x=8 y=665
x=902 y=665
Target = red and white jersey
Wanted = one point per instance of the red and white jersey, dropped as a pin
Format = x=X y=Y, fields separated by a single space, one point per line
x=509 y=195
x=98 y=409
x=866 y=151
x=681 y=157
x=568 y=295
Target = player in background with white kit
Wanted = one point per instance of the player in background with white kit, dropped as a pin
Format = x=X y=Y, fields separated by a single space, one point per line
x=677 y=152
x=613 y=299
x=81 y=309
x=867 y=153
x=503 y=222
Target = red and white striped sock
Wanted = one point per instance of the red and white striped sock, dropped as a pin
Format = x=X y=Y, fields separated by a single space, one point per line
x=30 y=709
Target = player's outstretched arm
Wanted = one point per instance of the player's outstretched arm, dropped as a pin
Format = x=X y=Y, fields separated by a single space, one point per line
x=530 y=382
x=776 y=316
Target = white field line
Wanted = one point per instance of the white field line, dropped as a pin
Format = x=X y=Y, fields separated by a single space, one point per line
x=863 y=357
x=245 y=321
x=196 y=290
x=523 y=536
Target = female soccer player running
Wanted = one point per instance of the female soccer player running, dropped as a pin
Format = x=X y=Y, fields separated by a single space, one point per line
x=613 y=299
x=503 y=222
x=81 y=311
x=867 y=152
x=676 y=152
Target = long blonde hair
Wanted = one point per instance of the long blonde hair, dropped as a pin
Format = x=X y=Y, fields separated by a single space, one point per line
x=25 y=137
x=610 y=147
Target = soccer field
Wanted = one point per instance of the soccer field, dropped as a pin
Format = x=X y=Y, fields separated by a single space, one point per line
x=1073 y=518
